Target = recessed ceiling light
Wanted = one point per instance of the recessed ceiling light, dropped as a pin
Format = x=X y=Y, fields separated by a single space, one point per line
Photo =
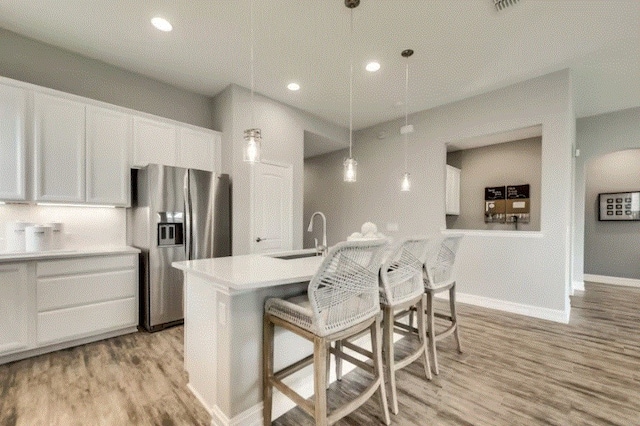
x=372 y=66
x=161 y=24
x=293 y=86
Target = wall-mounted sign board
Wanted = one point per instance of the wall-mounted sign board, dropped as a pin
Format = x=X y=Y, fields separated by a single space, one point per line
x=617 y=206
x=518 y=203
x=495 y=204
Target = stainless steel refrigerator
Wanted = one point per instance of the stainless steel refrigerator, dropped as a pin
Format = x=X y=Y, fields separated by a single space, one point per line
x=177 y=214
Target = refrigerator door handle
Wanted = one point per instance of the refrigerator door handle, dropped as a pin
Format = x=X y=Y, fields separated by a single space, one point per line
x=187 y=216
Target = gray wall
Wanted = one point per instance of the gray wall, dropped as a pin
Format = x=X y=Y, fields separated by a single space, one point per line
x=611 y=248
x=322 y=175
x=527 y=272
x=510 y=163
x=283 y=128
x=597 y=136
x=38 y=63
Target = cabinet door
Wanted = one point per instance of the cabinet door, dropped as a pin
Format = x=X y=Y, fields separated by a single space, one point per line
x=453 y=191
x=109 y=135
x=153 y=142
x=15 y=308
x=13 y=115
x=196 y=149
x=59 y=133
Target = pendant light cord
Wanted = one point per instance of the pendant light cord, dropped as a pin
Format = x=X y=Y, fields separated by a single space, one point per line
x=406 y=114
x=252 y=82
x=351 y=85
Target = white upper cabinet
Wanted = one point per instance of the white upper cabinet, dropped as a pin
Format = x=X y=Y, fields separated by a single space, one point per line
x=453 y=191
x=196 y=149
x=59 y=151
x=154 y=142
x=13 y=145
x=109 y=136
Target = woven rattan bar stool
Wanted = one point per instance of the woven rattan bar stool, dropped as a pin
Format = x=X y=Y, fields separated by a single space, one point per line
x=401 y=291
x=342 y=300
x=439 y=277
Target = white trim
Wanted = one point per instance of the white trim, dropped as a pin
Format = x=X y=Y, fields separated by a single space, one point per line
x=249 y=417
x=64 y=345
x=493 y=233
x=577 y=286
x=603 y=279
x=200 y=398
x=513 y=307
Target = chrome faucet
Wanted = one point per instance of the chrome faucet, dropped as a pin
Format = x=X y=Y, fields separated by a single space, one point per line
x=320 y=249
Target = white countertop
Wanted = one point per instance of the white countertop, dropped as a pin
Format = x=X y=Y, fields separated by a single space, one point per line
x=253 y=271
x=66 y=253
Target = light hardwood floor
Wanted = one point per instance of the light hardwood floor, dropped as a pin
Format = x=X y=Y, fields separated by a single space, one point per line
x=515 y=371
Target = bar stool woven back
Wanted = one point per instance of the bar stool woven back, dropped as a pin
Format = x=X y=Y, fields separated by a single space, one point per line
x=342 y=300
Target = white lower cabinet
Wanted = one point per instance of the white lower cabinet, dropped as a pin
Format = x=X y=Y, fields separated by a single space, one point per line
x=16 y=301
x=81 y=297
x=51 y=304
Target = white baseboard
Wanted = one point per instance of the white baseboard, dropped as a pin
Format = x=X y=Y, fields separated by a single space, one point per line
x=513 y=307
x=577 y=285
x=64 y=345
x=602 y=279
x=250 y=417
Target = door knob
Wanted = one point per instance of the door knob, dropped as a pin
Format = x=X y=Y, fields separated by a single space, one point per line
x=258 y=239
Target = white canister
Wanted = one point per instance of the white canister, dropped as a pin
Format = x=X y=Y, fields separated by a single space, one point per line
x=57 y=239
x=15 y=235
x=38 y=237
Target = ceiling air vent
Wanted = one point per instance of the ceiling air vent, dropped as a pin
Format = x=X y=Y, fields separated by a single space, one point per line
x=502 y=4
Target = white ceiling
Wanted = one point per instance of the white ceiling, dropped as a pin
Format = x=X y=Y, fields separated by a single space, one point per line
x=462 y=48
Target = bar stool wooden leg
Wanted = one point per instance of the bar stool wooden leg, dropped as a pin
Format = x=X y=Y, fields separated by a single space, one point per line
x=431 y=330
x=387 y=344
x=328 y=364
x=320 y=380
x=423 y=335
x=267 y=369
x=376 y=346
x=454 y=315
x=338 y=361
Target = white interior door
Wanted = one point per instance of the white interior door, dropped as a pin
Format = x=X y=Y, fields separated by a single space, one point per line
x=272 y=209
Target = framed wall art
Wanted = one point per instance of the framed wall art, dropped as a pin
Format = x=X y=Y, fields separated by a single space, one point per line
x=617 y=206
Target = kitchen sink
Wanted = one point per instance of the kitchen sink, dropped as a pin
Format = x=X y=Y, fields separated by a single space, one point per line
x=295 y=256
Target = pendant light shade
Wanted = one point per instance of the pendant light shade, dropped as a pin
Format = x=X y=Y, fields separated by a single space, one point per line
x=252 y=137
x=406 y=182
x=405 y=185
x=350 y=170
x=252 y=142
x=350 y=164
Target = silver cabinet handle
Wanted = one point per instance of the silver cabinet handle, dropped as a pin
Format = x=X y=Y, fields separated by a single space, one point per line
x=258 y=239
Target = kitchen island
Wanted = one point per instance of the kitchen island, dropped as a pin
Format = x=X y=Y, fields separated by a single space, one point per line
x=224 y=305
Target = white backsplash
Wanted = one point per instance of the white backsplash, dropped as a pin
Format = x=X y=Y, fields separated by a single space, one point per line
x=83 y=226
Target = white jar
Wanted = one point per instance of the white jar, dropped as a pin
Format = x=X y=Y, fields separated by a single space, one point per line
x=57 y=239
x=38 y=237
x=15 y=235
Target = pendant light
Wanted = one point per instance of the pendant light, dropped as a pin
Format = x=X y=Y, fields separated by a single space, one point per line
x=252 y=136
x=350 y=164
x=405 y=186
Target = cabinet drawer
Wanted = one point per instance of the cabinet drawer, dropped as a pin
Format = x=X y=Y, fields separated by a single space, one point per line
x=81 y=321
x=84 y=265
x=62 y=292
